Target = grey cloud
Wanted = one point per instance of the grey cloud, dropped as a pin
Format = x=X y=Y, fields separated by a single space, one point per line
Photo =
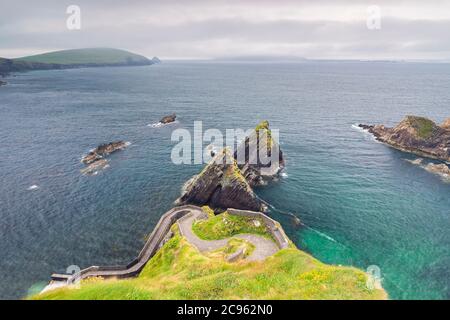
x=122 y=24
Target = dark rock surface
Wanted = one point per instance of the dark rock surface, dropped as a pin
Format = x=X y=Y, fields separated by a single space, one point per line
x=168 y=119
x=258 y=171
x=221 y=185
x=103 y=150
x=417 y=135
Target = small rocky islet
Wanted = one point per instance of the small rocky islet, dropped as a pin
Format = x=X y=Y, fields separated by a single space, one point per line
x=95 y=159
x=168 y=119
x=420 y=136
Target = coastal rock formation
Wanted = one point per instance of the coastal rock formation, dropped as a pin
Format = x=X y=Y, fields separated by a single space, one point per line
x=417 y=135
x=156 y=60
x=440 y=169
x=168 y=119
x=2 y=83
x=95 y=159
x=95 y=166
x=221 y=185
x=103 y=150
x=446 y=124
x=258 y=171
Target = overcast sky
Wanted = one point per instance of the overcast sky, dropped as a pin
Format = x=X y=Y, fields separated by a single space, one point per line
x=325 y=29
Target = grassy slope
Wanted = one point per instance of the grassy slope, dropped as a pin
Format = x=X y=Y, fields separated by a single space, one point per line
x=85 y=56
x=424 y=127
x=179 y=271
x=226 y=225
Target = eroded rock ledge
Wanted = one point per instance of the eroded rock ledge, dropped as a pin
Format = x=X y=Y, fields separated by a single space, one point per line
x=221 y=185
x=416 y=135
x=95 y=158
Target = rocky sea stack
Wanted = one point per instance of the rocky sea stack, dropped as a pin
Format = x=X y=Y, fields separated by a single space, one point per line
x=417 y=135
x=221 y=185
x=258 y=171
x=227 y=180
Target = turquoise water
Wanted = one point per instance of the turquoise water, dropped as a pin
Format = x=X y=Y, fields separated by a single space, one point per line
x=359 y=201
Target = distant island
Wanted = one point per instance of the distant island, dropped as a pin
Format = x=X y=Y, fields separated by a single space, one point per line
x=75 y=58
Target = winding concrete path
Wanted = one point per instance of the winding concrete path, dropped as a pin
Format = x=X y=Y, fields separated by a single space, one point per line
x=263 y=247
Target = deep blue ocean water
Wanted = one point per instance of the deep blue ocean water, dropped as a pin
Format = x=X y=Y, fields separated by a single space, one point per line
x=360 y=202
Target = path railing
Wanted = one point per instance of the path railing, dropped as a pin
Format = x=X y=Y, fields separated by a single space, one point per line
x=155 y=241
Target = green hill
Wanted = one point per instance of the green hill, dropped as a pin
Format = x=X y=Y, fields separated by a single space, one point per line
x=86 y=56
x=76 y=58
x=180 y=271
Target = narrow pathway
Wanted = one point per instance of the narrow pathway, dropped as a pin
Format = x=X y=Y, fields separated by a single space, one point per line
x=263 y=247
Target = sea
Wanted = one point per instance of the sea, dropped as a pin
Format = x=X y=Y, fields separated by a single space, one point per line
x=360 y=202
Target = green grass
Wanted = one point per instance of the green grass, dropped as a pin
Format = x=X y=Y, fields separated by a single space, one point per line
x=423 y=126
x=85 y=56
x=179 y=271
x=226 y=225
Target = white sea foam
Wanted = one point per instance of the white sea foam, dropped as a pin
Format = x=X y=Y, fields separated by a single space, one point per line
x=284 y=175
x=160 y=124
x=33 y=187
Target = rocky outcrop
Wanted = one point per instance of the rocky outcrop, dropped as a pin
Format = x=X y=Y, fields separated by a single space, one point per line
x=440 y=169
x=95 y=159
x=2 y=83
x=256 y=170
x=95 y=166
x=168 y=119
x=417 y=135
x=221 y=185
x=103 y=150
x=156 y=60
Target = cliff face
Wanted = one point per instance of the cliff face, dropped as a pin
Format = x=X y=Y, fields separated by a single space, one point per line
x=221 y=185
x=417 y=135
x=256 y=170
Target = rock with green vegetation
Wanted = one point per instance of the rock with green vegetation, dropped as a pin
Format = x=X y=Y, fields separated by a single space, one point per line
x=75 y=58
x=226 y=225
x=221 y=185
x=180 y=271
x=256 y=170
x=417 y=135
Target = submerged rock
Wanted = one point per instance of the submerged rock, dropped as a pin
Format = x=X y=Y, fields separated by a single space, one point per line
x=94 y=167
x=417 y=135
x=258 y=171
x=168 y=119
x=221 y=185
x=440 y=169
x=103 y=150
